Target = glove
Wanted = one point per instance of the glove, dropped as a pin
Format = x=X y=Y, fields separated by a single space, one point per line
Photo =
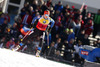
x=48 y=47
x=39 y=48
x=21 y=44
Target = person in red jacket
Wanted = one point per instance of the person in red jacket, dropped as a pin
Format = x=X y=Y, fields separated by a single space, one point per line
x=10 y=44
x=7 y=17
x=49 y=3
x=58 y=22
x=88 y=27
x=26 y=19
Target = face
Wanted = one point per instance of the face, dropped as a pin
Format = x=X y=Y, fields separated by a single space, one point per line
x=82 y=32
x=58 y=53
x=67 y=6
x=31 y=8
x=14 y=25
x=71 y=41
x=59 y=40
x=11 y=41
x=98 y=11
x=45 y=16
x=52 y=44
x=57 y=35
x=2 y=15
x=79 y=43
x=89 y=15
x=86 y=36
x=98 y=41
x=5 y=21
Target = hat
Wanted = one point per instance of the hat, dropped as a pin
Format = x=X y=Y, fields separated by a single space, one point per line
x=73 y=7
x=47 y=12
x=66 y=29
x=59 y=18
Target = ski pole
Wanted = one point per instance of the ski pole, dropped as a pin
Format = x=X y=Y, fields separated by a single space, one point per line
x=17 y=48
x=48 y=36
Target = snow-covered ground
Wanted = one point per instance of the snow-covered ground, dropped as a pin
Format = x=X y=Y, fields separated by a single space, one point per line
x=10 y=58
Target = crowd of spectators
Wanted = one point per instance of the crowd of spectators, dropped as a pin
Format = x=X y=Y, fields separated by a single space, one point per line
x=71 y=30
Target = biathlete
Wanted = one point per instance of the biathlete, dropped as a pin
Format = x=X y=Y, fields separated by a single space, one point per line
x=40 y=25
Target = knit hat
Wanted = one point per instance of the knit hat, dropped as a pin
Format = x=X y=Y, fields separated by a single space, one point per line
x=66 y=29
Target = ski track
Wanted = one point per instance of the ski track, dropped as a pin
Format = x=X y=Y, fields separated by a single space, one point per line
x=10 y=58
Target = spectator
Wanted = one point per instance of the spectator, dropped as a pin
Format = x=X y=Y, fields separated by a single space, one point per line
x=2 y=18
x=96 y=23
x=64 y=34
x=52 y=49
x=66 y=9
x=3 y=42
x=7 y=17
x=27 y=19
x=57 y=56
x=40 y=2
x=76 y=15
x=81 y=21
x=88 y=27
x=75 y=26
x=4 y=26
x=84 y=12
x=10 y=44
x=14 y=31
x=28 y=46
x=18 y=21
x=71 y=35
x=98 y=43
x=77 y=46
x=57 y=24
x=69 y=47
x=85 y=40
x=6 y=34
x=77 y=58
x=34 y=4
x=95 y=44
x=31 y=11
x=59 y=6
x=26 y=6
x=88 y=17
x=49 y=3
x=58 y=44
x=80 y=35
x=23 y=12
x=57 y=13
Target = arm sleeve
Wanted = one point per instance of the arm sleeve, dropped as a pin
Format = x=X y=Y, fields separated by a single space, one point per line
x=35 y=18
x=52 y=22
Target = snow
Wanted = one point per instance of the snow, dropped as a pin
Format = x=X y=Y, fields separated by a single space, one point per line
x=10 y=58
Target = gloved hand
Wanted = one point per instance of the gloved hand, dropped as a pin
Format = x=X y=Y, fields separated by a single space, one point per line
x=48 y=47
x=21 y=44
x=39 y=48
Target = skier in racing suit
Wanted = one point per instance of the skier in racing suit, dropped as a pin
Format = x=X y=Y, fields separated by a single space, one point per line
x=40 y=25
